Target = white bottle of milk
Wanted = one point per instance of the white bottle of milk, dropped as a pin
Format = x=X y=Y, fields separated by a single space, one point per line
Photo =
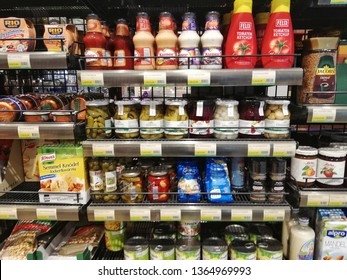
x=286 y=227
x=301 y=241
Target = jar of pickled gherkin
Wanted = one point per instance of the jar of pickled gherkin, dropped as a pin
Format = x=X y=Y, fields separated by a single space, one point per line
x=176 y=119
x=99 y=124
x=126 y=119
x=109 y=169
x=152 y=119
x=130 y=185
x=96 y=179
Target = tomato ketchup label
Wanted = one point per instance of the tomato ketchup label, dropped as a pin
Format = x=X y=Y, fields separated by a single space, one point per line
x=141 y=52
x=94 y=57
x=165 y=56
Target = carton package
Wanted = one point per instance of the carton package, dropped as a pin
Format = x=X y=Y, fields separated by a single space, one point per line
x=13 y=28
x=63 y=177
x=331 y=235
x=62 y=38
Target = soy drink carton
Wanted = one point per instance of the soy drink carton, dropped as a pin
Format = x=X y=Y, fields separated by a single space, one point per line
x=63 y=177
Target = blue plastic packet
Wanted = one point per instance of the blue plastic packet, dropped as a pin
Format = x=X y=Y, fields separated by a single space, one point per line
x=188 y=186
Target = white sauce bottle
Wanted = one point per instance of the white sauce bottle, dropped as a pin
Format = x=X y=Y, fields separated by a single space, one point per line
x=286 y=227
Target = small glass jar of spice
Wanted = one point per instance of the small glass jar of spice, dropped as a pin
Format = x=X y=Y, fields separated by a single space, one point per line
x=277 y=180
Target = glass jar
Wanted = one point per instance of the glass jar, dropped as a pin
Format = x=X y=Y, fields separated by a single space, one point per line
x=176 y=119
x=277 y=119
x=145 y=166
x=158 y=182
x=130 y=184
x=126 y=119
x=152 y=119
x=258 y=179
x=331 y=165
x=226 y=119
x=304 y=165
x=252 y=117
x=99 y=124
x=96 y=179
x=109 y=166
x=201 y=119
x=277 y=180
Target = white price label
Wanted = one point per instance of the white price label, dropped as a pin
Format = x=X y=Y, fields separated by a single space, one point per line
x=338 y=200
x=28 y=132
x=211 y=215
x=327 y=115
x=274 y=215
x=337 y=2
x=151 y=149
x=154 y=78
x=205 y=149
x=170 y=214
x=258 y=150
x=18 y=60
x=140 y=215
x=242 y=215
x=46 y=214
x=318 y=200
x=284 y=150
x=8 y=213
x=201 y=78
x=92 y=79
x=104 y=215
x=263 y=77
x=103 y=150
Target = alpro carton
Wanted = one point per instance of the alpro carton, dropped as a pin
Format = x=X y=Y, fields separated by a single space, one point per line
x=63 y=174
x=331 y=235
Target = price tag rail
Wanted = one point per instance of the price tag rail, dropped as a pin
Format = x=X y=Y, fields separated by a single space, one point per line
x=327 y=113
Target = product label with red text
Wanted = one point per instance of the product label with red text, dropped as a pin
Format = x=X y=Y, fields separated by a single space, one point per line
x=329 y=170
x=120 y=60
x=94 y=57
x=211 y=56
x=189 y=52
x=165 y=57
x=201 y=127
x=143 y=52
x=251 y=127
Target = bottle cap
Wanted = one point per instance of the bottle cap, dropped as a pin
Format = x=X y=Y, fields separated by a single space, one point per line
x=304 y=221
x=243 y=6
x=278 y=6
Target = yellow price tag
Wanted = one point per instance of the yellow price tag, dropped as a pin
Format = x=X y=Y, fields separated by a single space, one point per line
x=201 y=78
x=46 y=214
x=318 y=200
x=263 y=77
x=324 y=115
x=211 y=215
x=18 y=61
x=92 y=79
x=103 y=150
x=8 y=213
x=140 y=215
x=104 y=215
x=151 y=149
x=274 y=215
x=258 y=150
x=28 y=132
x=338 y=200
x=154 y=78
x=242 y=215
x=284 y=150
x=170 y=214
x=205 y=149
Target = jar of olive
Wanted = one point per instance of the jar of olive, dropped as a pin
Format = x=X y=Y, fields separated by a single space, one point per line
x=126 y=119
x=152 y=119
x=130 y=185
x=176 y=119
x=96 y=179
x=109 y=169
x=99 y=125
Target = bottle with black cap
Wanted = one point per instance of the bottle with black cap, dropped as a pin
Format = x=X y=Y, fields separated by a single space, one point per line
x=257 y=182
x=277 y=180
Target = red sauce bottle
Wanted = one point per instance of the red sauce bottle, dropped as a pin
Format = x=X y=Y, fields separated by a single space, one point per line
x=123 y=46
x=95 y=44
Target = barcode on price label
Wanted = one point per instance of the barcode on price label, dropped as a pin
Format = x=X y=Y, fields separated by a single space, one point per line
x=140 y=215
x=154 y=78
x=274 y=215
x=199 y=78
x=46 y=213
x=170 y=214
x=8 y=213
x=211 y=214
x=92 y=79
x=261 y=78
x=241 y=215
x=28 y=132
x=318 y=200
x=103 y=150
x=18 y=60
x=205 y=149
x=338 y=200
x=284 y=150
x=104 y=215
x=151 y=149
x=323 y=115
x=258 y=150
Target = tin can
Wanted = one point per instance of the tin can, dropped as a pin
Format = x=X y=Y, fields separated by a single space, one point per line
x=115 y=239
x=188 y=249
x=214 y=248
x=269 y=249
x=136 y=248
x=235 y=232
x=237 y=173
x=242 y=250
x=258 y=231
x=196 y=237
x=164 y=229
x=162 y=249
x=189 y=228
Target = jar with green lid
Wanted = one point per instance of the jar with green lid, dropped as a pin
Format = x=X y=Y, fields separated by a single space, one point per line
x=126 y=119
x=99 y=125
x=152 y=119
x=130 y=185
x=176 y=119
x=109 y=169
x=96 y=179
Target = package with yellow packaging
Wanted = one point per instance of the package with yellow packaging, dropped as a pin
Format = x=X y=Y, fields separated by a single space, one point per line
x=63 y=174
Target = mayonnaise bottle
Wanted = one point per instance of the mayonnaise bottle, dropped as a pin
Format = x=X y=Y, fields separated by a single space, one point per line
x=189 y=42
x=211 y=42
x=286 y=227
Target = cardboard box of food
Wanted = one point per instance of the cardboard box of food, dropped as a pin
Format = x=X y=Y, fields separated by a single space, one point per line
x=61 y=38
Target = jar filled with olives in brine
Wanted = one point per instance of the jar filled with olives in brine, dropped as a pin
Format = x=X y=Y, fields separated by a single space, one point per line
x=152 y=119
x=96 y=179
x=109 y=169
x=126 y=119
x=130 y=185
x=176 y=119
x=277 y=119
x=99 y=125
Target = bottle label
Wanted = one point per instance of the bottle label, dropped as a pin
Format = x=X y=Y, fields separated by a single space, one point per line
x=306 y=251
x=156 y=127
x=201 y=127
x=111 y=181
x=325 y=75
x=301 y=168
x=251 y=127
x=189 y=24
x=122 y=30
x=165 y=23
x=120 y=60
x=108 y=59
x=170 y=127
x=165 y=57
x=277 y=185
x=189 y=52
x=329 y=170
x=142 y=24
x=143 y=52
x=93 y=57
x=277 y=126
x=257 y=185
x=212 y=23
x=126 y=126
x=94 y=25
x=96 y=180
x=225 y=127
x=211 y=56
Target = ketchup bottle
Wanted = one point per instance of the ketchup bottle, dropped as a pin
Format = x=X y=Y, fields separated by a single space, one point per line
x=95 y=44
x=123 y=46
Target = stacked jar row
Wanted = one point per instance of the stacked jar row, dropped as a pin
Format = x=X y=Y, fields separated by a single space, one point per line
x=222 y=119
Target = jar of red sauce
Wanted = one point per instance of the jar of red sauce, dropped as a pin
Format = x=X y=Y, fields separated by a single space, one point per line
x=158 y=182
x=201 y=119
x=252 y=119
x=123 y=46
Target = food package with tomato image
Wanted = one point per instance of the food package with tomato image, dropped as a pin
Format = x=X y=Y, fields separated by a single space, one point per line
x=62 y=169
x=331 y=235
x=189 y=182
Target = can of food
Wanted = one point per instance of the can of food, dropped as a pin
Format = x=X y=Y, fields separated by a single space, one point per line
x=167 y=230
x=214 y=248
x=242 y=250
x=114 y=225
x=136 y=248
x=188 y=249
x=235 y=232
x=258 y=231
x=115 y=239
x=237 y=173
x=162 y=249
x=189 y=228
x=269 y=249
x=196 y=237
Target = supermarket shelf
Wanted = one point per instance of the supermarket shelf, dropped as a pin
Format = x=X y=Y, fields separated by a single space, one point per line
x=326 y=113
x=38 y=60
x=22 y=203
x=189 y=148
x=223 y=77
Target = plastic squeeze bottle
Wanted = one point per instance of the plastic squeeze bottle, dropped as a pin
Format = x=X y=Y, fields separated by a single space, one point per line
x=286 y=227
x=241 y=41
x=123 y=46
x=166 y=42
x=224 y=30
x=211 y=42
x=143 y=43
x=278 y=37
x=189 y=42
x=301 y=241
x=260 y=21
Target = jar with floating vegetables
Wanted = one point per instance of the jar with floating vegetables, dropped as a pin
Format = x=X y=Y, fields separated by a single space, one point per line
x=98 y=120
x=176 y=119
x=126 y=119
x=109 y=169
x=152 y=119
x=130 y=185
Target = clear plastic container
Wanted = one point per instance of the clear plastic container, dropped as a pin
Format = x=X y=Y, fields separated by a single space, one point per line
x=126 y=119
x=277 y=119
x=99 y=125
x=152 y=119
x=226 y=119
x=176 y=119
